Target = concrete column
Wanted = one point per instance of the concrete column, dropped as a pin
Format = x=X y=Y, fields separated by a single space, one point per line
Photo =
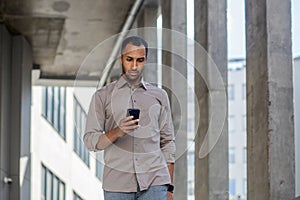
x=148 y=18
x=20 y=118
x=174 y=78
x=211 y=141
x=297 y=123
x=270 y=124
x=5 y=89
x=16 y=63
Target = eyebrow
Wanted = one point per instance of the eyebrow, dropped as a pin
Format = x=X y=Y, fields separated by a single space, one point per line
x=135 y=58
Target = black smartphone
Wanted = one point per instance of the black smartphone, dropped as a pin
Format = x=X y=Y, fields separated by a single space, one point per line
x=133 y=112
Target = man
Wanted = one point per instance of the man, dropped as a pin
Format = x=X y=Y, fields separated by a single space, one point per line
x=139 y=154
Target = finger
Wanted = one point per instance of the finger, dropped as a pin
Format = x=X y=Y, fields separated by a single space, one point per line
x=126 y=119
x=131 y=122
x=130 y=128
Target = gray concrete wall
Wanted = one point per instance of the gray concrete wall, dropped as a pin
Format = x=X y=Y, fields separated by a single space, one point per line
x=270 y=126
x=16 y=64
x=297 y=123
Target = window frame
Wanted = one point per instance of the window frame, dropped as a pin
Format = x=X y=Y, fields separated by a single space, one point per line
x=53 y=108
x=78 y=130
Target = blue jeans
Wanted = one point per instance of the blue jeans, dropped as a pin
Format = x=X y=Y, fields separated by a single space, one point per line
x=156 y=192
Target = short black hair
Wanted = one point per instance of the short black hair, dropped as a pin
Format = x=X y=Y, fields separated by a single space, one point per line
x=136 y=41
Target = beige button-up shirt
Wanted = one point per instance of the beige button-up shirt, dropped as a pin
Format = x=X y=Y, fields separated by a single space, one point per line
x=139 y=158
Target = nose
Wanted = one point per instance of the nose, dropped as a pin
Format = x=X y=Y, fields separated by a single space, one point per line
x=135 y=64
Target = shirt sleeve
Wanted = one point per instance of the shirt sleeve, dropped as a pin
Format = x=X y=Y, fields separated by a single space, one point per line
x=94 y=122
x=167 y=138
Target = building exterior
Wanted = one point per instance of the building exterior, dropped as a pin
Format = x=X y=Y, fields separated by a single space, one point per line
x=237 y=129
x=61 y=166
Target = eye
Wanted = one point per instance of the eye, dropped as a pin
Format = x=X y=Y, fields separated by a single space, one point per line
x=128 y=59
x=141 y=59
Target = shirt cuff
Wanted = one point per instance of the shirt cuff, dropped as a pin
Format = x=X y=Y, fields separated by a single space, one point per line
x=170 y=158
x=169 y=152
x=92 y=140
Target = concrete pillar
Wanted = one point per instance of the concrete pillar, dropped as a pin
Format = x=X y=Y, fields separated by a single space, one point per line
x=297 y=123
x=15 y=118
x=211 y=141
x=148 y=18
x=5 y=89
x=270 y=124
x=174 y=79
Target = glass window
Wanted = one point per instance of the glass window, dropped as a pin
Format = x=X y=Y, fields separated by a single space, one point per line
x=45 y=102
x=48 y=185
x=245 y=155
x=232 y=155
x=49 y=98
x=62 y=191
x=62 y=111
x=79 y=127
x=43 y=197
x=244 y=92
x=245 y=187
x=231 y=92
x=244 y=123
x=54 y=102
x=55 y=188
x=52 y=187
x=231 y=123
x=56 y=108
x=232 y=187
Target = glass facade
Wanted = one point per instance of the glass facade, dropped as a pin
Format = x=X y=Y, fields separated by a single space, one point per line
x=52 y=187
x=232 y=187
x=230 y=92
x=54 y=104
x=79 y=127
x=232 y=155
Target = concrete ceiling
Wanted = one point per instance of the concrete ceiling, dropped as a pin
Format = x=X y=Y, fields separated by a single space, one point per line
x=63 y=32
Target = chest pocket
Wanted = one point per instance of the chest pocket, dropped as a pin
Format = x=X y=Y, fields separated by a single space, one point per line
x=115 y=110
x=150 y=112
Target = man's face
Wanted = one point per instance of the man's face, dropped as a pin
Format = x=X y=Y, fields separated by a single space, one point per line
x=133 y=60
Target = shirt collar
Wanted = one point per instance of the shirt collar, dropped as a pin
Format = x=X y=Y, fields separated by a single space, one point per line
x=122 y=82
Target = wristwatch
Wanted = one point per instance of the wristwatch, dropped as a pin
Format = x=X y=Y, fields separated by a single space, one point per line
x=170 y=188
